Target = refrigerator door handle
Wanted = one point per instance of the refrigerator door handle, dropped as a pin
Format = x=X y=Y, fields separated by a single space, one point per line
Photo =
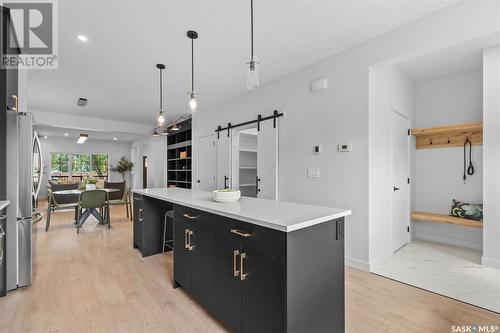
x=36 y=217
x=2 y=232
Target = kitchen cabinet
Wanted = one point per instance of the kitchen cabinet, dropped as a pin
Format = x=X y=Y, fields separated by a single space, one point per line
x=259 y=265
x=149 y=217
x=241 y=272
x=3 y=251
x=193 y=254
x=8 y=94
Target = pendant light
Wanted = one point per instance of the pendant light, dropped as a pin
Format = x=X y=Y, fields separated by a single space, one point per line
x=175 y=127
x=193 y=103
x=254 y=65
x=155 y=133
x=83 y=137
x=161 y=114
x=165 y=132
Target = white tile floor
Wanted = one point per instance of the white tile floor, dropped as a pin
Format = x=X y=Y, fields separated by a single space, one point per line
x=448 y=270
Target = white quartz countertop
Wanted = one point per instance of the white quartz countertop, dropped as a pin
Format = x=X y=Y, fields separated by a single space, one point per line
x=279 y=215
x=4 y=204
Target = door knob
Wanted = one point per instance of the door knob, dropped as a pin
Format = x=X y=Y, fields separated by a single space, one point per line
x=396 y=188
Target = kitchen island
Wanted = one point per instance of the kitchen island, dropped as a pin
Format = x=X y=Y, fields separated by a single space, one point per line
x=257 y=265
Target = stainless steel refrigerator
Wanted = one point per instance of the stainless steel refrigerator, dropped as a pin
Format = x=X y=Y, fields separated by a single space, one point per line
x=23 y=181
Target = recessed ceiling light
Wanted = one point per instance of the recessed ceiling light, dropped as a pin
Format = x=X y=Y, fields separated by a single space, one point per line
x=45 y=137
x=115 y=139
x=82 y=38
x=66 y=134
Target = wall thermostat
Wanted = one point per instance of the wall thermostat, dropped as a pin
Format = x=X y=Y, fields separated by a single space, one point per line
x=317 y=150
x=345 y=147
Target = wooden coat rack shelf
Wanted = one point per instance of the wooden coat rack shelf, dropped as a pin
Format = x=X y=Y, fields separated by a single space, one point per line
x=448 y=136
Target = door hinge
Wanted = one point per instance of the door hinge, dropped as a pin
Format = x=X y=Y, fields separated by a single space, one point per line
x=409 y=132
x=408 y=180
x=408 y=228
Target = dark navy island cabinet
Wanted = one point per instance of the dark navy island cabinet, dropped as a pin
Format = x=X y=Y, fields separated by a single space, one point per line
x=252 y=278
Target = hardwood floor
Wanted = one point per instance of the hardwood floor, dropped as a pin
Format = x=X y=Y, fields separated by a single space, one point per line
x=96 y=282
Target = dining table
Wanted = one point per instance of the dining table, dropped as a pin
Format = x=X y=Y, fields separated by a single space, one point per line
x=78 y=192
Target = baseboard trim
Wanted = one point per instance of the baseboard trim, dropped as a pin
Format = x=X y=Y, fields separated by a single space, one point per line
x=449 y=241
x=358 y=264
x=377 y=261
x=490 y=262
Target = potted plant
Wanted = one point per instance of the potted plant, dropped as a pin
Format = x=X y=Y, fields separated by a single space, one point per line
x=123 y=166
x=90 y=183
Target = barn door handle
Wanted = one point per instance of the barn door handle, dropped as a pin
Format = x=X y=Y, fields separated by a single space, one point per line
x=395 y=188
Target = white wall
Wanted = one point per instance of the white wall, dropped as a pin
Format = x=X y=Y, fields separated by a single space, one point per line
x=390 y=91
x=448 y=100
x=155 y=148
x=491 y=150
x=340 y=114
x=115 y=151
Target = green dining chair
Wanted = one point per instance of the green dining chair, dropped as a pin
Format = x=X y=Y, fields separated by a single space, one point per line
x=88 y=203
x=54 y=205
x=121 y=197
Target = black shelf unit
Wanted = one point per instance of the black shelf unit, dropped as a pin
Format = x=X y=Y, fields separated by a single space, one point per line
x=179 y=168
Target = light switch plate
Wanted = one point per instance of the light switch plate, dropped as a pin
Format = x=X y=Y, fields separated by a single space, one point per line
x=313 y=172
x=345 y=147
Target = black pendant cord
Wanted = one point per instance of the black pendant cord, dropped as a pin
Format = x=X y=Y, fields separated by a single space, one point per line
x=161 y=90
x=251 y=29
x=468 y=170
x=192 y=66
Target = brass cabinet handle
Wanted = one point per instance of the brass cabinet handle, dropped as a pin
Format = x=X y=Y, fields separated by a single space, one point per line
x=236 y=272
x=240 y=233
x=15 y=100
x=186 y=238
x=243 y=276
x=140 y=215
x=189 y=216
x=190 y=247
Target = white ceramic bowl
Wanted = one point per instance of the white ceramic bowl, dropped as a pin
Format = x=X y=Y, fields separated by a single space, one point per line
x=223 y=196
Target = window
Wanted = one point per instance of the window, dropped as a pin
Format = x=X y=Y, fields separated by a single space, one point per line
x=77 y=166
x=59 y=165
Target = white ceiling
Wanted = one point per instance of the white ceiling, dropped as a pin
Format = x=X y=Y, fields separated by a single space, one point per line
x=116 y=70
x=59 y=132
x=460 y=58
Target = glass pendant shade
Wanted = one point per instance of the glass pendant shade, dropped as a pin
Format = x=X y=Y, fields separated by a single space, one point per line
x=193 y=104
x=253 y=79
x=161 y=118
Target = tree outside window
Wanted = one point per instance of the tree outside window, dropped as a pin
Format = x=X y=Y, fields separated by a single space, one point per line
x=78 y=166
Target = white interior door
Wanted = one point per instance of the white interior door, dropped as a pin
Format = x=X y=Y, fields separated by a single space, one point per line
x=267 y=160
x=223 y=147
x=400 y=167
x=206 y=163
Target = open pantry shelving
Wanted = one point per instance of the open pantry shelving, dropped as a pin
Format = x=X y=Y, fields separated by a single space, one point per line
x=179 y=157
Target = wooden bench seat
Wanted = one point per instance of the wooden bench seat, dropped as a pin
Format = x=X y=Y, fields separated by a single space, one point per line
x=441 y=218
